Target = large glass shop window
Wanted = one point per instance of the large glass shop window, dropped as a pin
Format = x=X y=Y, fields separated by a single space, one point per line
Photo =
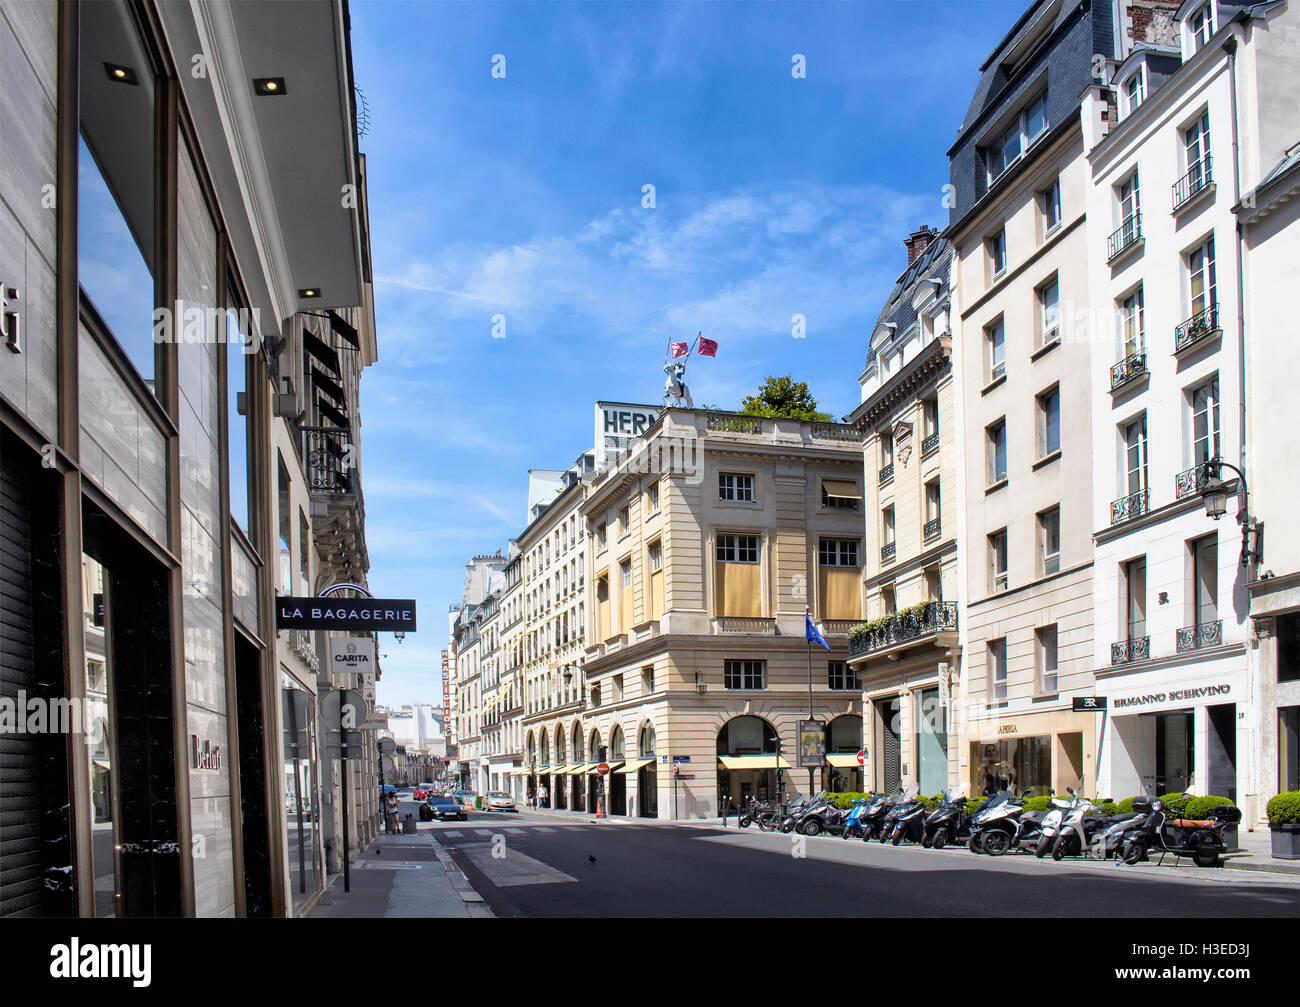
x=301 y=806
x=1021 y=765
x=104 y=841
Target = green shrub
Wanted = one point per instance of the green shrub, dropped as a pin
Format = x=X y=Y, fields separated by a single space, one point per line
x=1284 y=809
x=1040 y=803
x=1125 y=807
x=1200 y=807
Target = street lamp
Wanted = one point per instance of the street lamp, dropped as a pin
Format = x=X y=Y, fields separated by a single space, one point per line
x=1214 y=494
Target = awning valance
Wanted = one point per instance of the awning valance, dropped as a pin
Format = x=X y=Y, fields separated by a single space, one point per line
x=753 y=762
x=842 y=761
x=841 y=489
x=342 y=327
x=634 y=765
x=318 y=349
x=613 y=765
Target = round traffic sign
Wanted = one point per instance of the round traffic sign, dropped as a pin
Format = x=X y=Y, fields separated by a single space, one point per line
x=862 y=757
x=387 y=745
x=603 y=769
x=343 y=708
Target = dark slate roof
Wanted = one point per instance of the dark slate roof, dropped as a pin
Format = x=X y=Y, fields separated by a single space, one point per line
x=898 y=308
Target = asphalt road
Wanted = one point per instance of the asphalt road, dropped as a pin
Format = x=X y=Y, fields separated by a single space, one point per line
x=534 y=865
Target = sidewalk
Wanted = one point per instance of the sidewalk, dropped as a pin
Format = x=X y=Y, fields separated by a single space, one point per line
x=402 y=877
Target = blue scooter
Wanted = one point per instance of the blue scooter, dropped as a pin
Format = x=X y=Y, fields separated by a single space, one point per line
x=853 y=823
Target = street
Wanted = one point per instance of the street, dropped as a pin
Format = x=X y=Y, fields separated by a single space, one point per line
x=533 y=864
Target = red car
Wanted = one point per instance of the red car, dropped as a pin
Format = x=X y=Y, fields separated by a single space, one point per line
x=422 y=791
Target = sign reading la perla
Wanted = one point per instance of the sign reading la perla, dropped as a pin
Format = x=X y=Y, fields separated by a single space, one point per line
x=393 y=614
x=352 y=653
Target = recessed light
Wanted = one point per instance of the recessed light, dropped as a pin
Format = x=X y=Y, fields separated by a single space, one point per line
x=269 y=85
x=120 y=74
x=309 y=292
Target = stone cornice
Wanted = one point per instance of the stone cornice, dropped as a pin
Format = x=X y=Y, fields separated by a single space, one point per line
x=933 y=359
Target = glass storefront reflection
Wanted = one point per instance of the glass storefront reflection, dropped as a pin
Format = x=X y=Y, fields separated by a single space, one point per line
x=301 y=805
x=1021 y=765
x=99 y=739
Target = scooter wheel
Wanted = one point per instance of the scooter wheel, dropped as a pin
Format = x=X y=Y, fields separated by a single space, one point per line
x=897 y=837
x=926 y=841
x=1206 y=858
x=1043 y=847
x=996 y=842
x=1132 y=853
x=744 y=821
x=811 y=828
x=940 y=839
x=867 y=832
x=1060 y=848
x=976 y=843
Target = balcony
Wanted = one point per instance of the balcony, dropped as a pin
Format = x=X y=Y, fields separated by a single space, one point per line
x=1127 y=508
x=834 y=432
x=1135 y=648
x=930 y=445
x=338 y=506
x=1191 y=482
x=1199 y=637
x=838 y=627
x=887 y=552
x=1128 y=234
x=920 y=622
x=1199 y=327
x=932 y=528
x=1129 y=369
x=328 y=453
x=886 y=473
x=733 y=424
x=1198 y=180
x=737 y=624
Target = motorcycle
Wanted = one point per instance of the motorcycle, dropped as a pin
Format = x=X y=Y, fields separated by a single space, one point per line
x=909 y=821
x=995 y=826
x=827 y=817
x=902 y=803
x=1202 y=840
x=753 y=809
x=948 y=823
x=873 y=818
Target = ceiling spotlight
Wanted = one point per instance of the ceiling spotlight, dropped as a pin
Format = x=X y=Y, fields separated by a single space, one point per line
x=120 y=74
x=267 y=86
x=309 y=292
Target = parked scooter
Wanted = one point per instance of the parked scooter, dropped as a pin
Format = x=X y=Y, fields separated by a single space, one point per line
x=995 y=826
x=853 y=821
x=899 y=806
x=949 y=823
x=797 y=810
x=1165 y=829
x=909 y=821
x=1052 y=824
x=826 y=816
x=873 y=819
x=1077 y=828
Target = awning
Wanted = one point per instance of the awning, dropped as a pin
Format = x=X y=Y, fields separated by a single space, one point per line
x=341 y=327
x=634 y=765
x=753 y=762
x=584 y=768
x=541 y=770
x=564 y=770
x=322 y=352
x=613 y=765
x=522 y=771
x=328 y=385
x=333 y=414
x=841 y=489
x=840 y=761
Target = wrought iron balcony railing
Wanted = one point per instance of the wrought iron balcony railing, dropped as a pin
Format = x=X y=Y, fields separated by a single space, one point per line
x=329 y=454
x=932 y=528
x=930 y=445
x=933 y=617
x=1124 y=237
x=1129 y=507
x=887 y=552
x=1196 y=181
x=1192 y=481
x=1135 y=648
x=1200 y=326
x=886 y=473
x=1200 y=636
x=1130 y=368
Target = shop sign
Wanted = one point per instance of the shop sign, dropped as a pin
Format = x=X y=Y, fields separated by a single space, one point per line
x=395 y=614
x=204 y=755
x=1173 y=696
x=1006 y=729
x=352 y=653
x=812 y=744
x=1089 y=704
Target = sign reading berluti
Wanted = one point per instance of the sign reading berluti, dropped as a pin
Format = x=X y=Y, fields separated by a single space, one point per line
x=396 y=614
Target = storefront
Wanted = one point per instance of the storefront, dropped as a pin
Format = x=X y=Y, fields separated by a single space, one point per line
x=1032 y=754
x=747 y=761
x=842 y=774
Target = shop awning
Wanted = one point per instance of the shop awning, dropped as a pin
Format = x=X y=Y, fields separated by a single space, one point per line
x=841 y=489
x=319 y=349
x=842 y=761
x=584 y=768
x=340 y=326
x=634 y=765
x=564 y=770
x=613 y=765
x=542 y=770
x=519 y=772
x=753 y=762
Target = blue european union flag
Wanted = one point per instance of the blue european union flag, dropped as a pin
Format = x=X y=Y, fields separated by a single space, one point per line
x=810 y=632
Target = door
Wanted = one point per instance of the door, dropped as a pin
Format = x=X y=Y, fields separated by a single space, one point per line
x=889 y=770
x=617 y=793
x=647 y=787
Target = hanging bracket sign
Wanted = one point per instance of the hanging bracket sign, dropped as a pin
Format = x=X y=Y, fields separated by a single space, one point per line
x=392 y=614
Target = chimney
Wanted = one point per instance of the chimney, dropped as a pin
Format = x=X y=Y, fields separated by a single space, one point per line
x=918 y=241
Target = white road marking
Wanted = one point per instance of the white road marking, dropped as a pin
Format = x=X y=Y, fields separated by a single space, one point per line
x=514 y=869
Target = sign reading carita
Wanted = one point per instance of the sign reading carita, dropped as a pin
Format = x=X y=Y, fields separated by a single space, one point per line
x=351 y=653
x=345 y=613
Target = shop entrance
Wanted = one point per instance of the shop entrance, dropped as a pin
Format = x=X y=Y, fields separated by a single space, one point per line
x=252 y=779
x=889 y=765
x=1221 y=757
x=748 y=737
x=1175 y=751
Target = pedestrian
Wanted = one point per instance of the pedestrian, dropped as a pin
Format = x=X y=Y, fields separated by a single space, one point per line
x=390 y=812
x=541 y=796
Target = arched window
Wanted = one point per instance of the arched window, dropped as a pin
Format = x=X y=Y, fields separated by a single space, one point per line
x=594 y=746
x=577 y=743
x=544 y=750
x=747 y=736
x=616 y=744
x=646 y=743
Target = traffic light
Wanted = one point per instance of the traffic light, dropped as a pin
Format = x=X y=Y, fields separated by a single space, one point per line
x=780 y=773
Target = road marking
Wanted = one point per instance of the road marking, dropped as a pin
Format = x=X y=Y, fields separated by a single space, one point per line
x=453 y=834
x=515 y=869
x=483 y=832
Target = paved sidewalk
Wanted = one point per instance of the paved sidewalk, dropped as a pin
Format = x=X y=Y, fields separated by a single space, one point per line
x=402 y=877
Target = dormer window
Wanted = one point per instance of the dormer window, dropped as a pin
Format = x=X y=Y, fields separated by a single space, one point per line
x=1135 y=90
x=1006 y=148
x=1200 y=25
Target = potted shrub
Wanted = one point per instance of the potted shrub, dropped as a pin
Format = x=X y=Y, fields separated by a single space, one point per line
x=1284 y=822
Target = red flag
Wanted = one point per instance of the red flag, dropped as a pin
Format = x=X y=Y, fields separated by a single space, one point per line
x=679 y=349
x=708 y=348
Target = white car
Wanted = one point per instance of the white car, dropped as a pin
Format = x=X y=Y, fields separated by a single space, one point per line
x=498 y=800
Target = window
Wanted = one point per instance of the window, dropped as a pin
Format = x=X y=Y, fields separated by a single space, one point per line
x=1135 y=90
x=838 y=552
x=1135 y=615
x=1049 y=422
x=1005 y=148
x=238 y=342
x=655 y=555
x=744 y=675
x=840 y=678
x=1201 y=25
x=600 y=535
x=1049 y=312
x=932 y=499
x=735 y=487
x=624 y=520
x=998 y=561
x=1288 y=647
x=888 y=600
x=887 y=525
x=1201 y=279
x=285 y=526
x=1129 y=206
x=738 y=548
x=1131 y=324
x=995 y=340
x=652 y=497
x=997 y=650
x=1046 y=659
x=840 y=493
x=1205 y=422
x=625 y=568
x=1205 y=589
x=1049 y=205
x=1049 y=537
x=886 y=449
x=996 y=438
x=997 y=252
x=1196 y=150
x=930 y=416
x=304 y=551
x=1135 y=452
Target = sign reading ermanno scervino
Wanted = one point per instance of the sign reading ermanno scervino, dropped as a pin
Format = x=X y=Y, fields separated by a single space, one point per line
x=345 y=613
x=1172 y=696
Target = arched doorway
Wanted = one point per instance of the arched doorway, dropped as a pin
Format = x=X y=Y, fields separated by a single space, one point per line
x=747 y=761
x=530 y=788
x=842 y=774
x=544 y=758
x=593 y=784
x=647 y=777
x=617 y=781
x=579 y=781
x=560 y=763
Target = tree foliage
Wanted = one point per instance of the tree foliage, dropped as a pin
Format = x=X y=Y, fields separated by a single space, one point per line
x=785 y=398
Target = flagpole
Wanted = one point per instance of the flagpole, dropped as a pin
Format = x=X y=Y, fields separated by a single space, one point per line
x=693 y=345
x=807 y=614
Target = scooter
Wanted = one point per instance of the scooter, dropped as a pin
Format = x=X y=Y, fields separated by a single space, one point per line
x=853 y=822
x=995 y=827
x=873 y=819
x=948 y=823
x=825 y=816
x=796 y=811
x=904 y=802
x=1052 y=824
x=1077 y=828
x=909 y=821
x=1202 y=840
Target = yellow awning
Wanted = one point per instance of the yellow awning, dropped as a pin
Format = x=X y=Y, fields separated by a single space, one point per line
x=753 y=762
x=634 y=765
x=542 y=770
x=487 y=707
x=565 y=770
x=613 y=765
x=842 y=761
x=583 y=768
x=519 y=772
x=842 y=489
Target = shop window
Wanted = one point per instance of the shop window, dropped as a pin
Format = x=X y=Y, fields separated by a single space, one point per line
x=1022 y=766
x=1288 y=648
x=1288 y=748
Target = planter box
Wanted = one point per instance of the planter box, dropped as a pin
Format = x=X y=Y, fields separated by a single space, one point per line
x=1286 y=842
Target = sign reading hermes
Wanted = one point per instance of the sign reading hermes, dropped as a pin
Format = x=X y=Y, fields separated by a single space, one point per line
x=345 y=613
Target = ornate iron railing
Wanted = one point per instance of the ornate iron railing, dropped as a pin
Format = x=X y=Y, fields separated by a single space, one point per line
x=834 y=432
x=934 y=617
x=1200 y=636
x=737 y=624
x=1200 y=326
x=1136 y=648
x=1124 y=236
x=887 y=551
x=1131 y=367
x=886 y=473
x=930 y=445
x=1192 y=481
x=1129 y=507
x=932 y=528
x=734 y=424
x=331 y=466
x=1196 y=181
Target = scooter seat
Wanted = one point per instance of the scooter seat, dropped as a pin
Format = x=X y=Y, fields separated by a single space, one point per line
x=1191 y=823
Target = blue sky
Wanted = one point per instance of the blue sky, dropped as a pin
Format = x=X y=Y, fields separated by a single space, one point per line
x=522 y=196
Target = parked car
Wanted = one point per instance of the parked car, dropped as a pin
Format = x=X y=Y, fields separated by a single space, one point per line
x=499 y=800
x=421 y=791
x=445 y=809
